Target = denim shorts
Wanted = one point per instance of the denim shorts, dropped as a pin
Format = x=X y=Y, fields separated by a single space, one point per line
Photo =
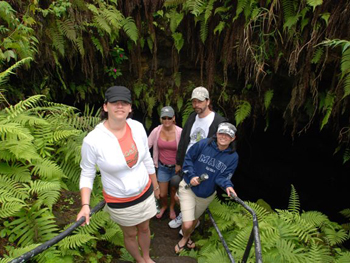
x=164 y=173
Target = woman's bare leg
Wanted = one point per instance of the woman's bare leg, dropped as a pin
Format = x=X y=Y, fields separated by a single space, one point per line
x=144 y=238
x=130 y=242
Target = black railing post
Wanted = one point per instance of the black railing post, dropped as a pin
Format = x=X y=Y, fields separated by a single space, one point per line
x=221 y=237
x=254 y=233
x=28 y=255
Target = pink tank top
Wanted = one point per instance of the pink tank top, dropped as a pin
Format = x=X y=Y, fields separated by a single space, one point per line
x=167 y=151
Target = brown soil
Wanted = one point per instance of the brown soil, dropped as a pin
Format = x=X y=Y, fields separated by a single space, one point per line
x=164 y=241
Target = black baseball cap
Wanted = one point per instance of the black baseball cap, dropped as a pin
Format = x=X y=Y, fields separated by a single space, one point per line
x=117 y=93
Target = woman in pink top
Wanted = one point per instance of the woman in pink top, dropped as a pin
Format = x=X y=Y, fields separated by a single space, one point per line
x=164 y=140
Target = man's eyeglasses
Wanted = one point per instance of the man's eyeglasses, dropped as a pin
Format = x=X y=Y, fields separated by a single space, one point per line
x=166 y=118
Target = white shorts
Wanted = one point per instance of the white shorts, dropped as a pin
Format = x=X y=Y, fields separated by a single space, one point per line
x=192 y=206
x=133 y=215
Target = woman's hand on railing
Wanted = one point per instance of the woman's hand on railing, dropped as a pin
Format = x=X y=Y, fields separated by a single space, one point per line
x=84 y=211
x=230 y=192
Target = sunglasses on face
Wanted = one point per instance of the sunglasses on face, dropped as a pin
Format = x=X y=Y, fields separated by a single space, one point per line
x=166 y=118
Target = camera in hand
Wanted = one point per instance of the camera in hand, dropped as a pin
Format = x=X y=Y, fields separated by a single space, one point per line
x=203 y=177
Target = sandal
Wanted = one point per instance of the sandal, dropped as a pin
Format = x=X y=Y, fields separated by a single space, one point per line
x=191 y=244
x=180 y=248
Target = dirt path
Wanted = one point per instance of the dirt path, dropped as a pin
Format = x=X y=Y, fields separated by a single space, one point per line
x=164 y=241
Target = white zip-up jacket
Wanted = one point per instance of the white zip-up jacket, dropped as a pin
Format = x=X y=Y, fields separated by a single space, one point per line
x=100 y=147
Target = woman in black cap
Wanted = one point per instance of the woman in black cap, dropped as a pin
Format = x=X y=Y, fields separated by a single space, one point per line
x=119 y=147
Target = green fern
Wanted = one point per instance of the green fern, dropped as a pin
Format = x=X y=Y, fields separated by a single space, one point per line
x=32 y=226
x=345 y=69
x=335 y=234
x=346 y=213
x=175 y=19
x=178 y=41
x=294 y=203
x=5 y=74
x=241 y=5
x=267 y=98
x=47 y=192
x=317 y=55
x=328 y=107
x=75 y=241
x=16 y=172
x=47 y=169
x=318 y=253
x=218 y=255
x=344 y=257
x=242 y=112
x=130 y=29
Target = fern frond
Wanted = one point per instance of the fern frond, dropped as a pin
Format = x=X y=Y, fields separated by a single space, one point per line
x=242 y=112
x=33 y=226
x=286 y=251
x=66 y=27
x=47 y=192
x=16 y=172
x=208 y=10
x=267 y=98
x=219 y=27
x=130 y=29
x=304 y=230
x=102 y=24
x=12 y=188
x=344 y=257
x=318 y=253
x=328 y=107
x=346 y=213
x=97 y=221
x=178 y=41
x=315 y=218
x=218 y=255
x=317 y=55
x=20 y=107
x=5 y=74
x=16 y=252
x=14 y=131
x=239 y=243
x=58 y=41
x=80 y=45
x=75 y=241
x=10 y=206
x=345 y=62
x=98 y=45
x=241 y=5
x=335 y=237
x=294 y=203
x=203 y=31
x=47 y=169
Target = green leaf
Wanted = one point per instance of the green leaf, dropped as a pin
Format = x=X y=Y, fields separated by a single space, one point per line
x=242 y=112
x=314 y=3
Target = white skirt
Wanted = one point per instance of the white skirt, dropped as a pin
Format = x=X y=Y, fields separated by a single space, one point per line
x=133 y=215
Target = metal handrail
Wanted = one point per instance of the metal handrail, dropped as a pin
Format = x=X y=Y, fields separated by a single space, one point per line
x=26 y=256
x=254 y=235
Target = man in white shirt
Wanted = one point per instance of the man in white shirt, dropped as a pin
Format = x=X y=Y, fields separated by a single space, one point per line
x=202 y=123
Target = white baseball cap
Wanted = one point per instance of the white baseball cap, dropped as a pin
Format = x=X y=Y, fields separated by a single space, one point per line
x=200 y=93
x=227 y=128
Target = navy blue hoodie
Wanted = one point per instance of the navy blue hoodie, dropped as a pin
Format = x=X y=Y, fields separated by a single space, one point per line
x=205 y=157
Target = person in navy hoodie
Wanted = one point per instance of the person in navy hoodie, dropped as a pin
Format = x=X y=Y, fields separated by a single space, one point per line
x=216 y=157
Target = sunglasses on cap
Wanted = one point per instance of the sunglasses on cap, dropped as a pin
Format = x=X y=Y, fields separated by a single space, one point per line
x=166 y=118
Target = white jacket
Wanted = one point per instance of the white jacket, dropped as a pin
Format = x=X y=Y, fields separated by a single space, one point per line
x=100 y=147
